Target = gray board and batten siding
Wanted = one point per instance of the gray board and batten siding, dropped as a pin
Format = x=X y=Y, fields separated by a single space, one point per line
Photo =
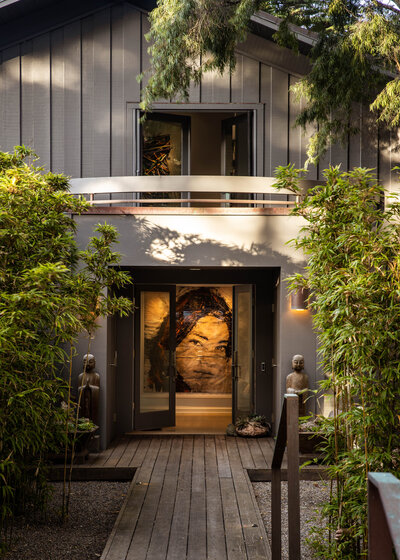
x=70 y=93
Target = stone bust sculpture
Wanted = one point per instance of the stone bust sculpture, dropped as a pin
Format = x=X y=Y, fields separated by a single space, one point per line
x=89 y=389
x=297 y=382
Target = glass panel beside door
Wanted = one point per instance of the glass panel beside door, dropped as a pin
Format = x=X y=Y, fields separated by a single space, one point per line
x=155 y=357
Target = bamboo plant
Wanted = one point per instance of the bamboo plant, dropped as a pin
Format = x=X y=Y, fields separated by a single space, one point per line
x=45 y=302
x=352 y=248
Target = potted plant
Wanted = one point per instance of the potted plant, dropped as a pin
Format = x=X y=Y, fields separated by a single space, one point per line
x=310 y=436
x=253 y=426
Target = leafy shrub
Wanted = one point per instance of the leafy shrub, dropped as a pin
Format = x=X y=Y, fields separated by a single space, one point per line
x=353 y=272
x=45 y=301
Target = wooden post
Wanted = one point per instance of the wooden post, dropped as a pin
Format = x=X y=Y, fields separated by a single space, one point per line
x=276 y=514
x=293 y=475
x=380 y=542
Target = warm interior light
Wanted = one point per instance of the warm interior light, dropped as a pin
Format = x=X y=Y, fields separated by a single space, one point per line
x=299 y=299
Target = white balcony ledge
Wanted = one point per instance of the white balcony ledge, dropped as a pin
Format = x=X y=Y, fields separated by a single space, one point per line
x=184 y=194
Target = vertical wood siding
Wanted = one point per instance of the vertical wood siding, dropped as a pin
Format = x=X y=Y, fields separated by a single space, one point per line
x=65 y=93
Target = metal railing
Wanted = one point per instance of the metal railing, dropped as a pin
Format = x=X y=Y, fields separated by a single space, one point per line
x=383 y=516
x=183 y=192
x=288 y=435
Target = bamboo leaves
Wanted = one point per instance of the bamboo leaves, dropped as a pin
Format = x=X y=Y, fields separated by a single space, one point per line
x=353 y=250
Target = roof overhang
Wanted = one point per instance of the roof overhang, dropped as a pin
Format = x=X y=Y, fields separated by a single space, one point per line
x=21 y=19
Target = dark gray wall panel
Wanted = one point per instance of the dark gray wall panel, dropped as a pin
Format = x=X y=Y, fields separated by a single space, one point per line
x=250 y=80
x=355 y=139
x=27 y=133
x=102 y=98
x=265 y=98
x=145 y=45
x=279 y=118
x=369 y=141
x=96 y=95
x=295 y=134
x=117 y=92
x=245 y=80
x=58 y=87
x=125 y=66
x=339 y=155
x=298 y=138
x=87 y=85
x=385 y=157
x=41 y=98
x=72 y=99
x=132 y=46
x=215 y=88
x=10 y=99
x=237 y=81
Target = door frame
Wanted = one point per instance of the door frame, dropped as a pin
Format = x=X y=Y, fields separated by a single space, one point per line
x=266 y=327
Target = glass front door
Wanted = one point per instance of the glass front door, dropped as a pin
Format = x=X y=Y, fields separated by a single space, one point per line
x=155 y=363
x=193 y=345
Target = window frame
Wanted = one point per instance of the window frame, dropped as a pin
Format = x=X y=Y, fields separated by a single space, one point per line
x=133 y=166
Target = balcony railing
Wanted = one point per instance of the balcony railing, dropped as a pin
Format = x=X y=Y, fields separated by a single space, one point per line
x=184 y=194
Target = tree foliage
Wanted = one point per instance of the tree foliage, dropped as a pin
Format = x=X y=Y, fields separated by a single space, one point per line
x=353 y=272
x=355 y=57
x=45 y=302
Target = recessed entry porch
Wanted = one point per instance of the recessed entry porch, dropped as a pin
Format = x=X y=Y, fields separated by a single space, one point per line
x=203 y=348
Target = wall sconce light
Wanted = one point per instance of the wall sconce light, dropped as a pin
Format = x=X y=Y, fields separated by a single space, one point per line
x=299 y=299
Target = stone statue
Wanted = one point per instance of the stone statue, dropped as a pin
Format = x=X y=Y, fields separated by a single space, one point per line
x=297 y=382
x=89 y=389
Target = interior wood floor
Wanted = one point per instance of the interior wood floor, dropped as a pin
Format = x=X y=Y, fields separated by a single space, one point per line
x=186 y=423
x=190 y=499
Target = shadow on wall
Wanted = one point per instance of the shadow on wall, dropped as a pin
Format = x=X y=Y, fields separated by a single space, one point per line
x=155 y=244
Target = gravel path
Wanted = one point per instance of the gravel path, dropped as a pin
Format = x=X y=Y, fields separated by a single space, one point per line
x=93 y=509
x=312 y=495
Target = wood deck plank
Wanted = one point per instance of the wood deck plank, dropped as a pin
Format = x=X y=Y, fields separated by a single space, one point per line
x=117 y=453
x=98 y=459
x=190 y=499
x=235 y=545
x=180 y=520
x=160 y=536
x=224 y=469
x=140 y=452
x=144 y=527
x=254 y=539
x=216 y=546
x=245 y=453
x=129 y=452
x=121 y=538
x=267 y=449
x=197 y=538
x=255 y=450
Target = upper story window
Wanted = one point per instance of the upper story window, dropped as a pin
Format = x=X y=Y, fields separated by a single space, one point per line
x=197 y=143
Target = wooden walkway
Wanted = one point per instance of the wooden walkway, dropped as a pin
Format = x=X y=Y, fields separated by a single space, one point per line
x=190 y=498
